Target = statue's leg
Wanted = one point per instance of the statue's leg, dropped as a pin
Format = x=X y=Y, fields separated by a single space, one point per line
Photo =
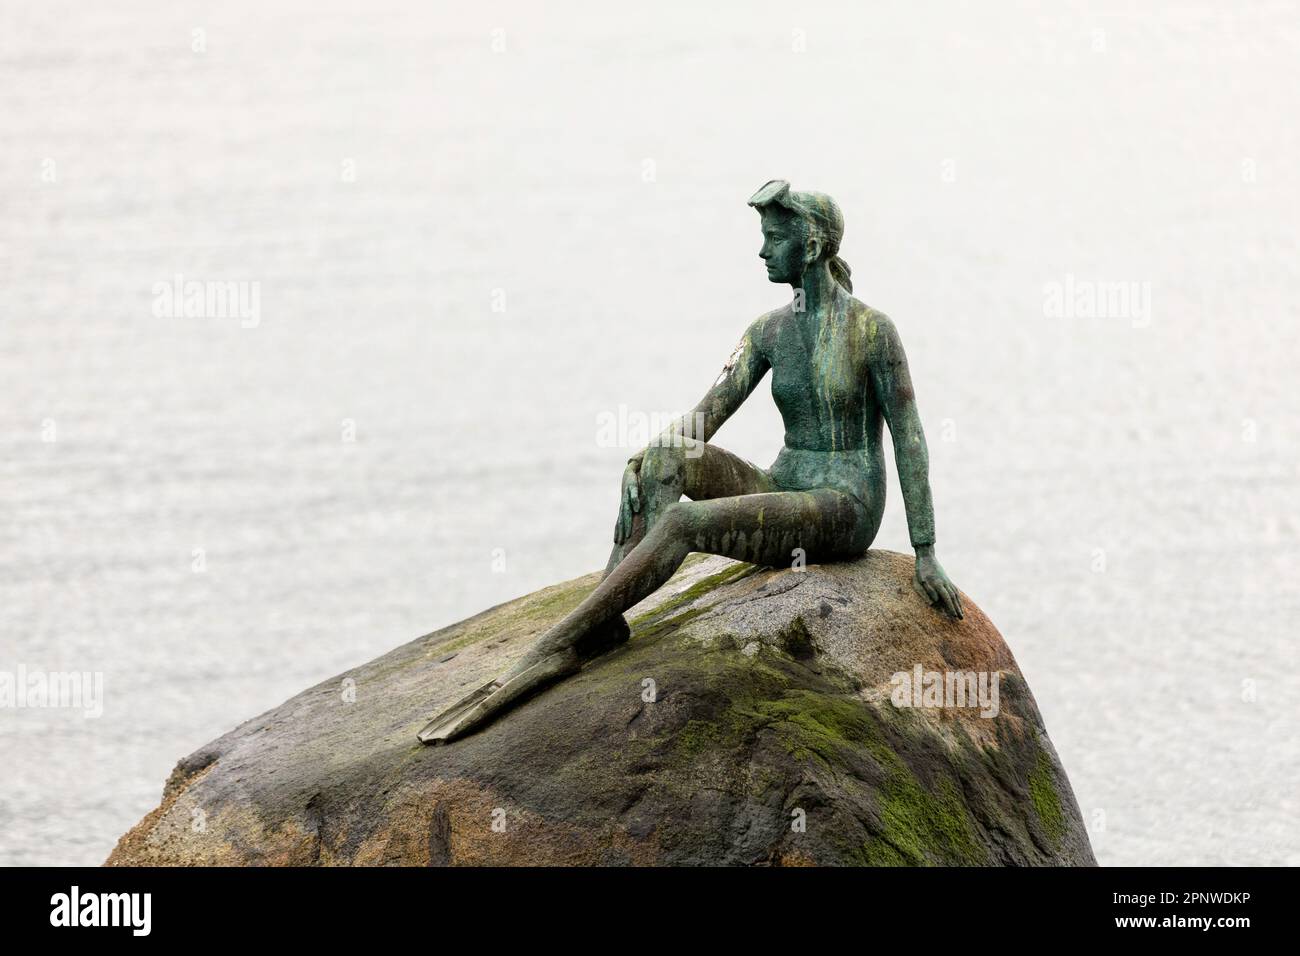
x=669 y=473
x=765 y=528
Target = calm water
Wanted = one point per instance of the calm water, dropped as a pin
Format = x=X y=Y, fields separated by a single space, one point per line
x=476 y=231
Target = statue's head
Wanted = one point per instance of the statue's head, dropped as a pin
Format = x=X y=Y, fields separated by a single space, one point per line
x=800 y=230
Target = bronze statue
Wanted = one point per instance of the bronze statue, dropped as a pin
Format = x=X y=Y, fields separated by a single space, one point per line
x=838 y=372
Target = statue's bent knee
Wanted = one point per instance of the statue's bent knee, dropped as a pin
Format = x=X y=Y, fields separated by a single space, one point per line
x=664 y=465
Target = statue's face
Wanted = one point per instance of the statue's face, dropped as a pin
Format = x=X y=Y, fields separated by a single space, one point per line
x=784 y=244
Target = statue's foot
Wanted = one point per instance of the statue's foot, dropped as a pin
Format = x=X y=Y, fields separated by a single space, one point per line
x=481 y=706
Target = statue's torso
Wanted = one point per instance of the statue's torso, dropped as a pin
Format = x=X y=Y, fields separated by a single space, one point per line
x=822 y=386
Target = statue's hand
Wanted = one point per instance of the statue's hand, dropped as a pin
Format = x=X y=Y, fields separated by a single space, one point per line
x=629 y=500
x=932 y=581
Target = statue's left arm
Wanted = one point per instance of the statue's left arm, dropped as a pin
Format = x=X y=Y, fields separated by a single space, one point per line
x=739 y=377
x=893 y=387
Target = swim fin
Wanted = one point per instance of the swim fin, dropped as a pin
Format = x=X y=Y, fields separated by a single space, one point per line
x=478 y=706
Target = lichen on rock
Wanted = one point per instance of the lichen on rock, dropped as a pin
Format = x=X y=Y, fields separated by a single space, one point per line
x=748 y=721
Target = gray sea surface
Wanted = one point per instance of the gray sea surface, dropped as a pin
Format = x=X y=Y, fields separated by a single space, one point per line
x=478 y=232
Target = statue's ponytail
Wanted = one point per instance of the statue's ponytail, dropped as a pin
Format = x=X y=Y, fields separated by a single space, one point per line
x=840 y=273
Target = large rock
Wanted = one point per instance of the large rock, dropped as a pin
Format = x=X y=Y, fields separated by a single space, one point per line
x=750 y=720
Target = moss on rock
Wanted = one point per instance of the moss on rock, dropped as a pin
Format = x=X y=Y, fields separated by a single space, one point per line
x=1047 y=804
